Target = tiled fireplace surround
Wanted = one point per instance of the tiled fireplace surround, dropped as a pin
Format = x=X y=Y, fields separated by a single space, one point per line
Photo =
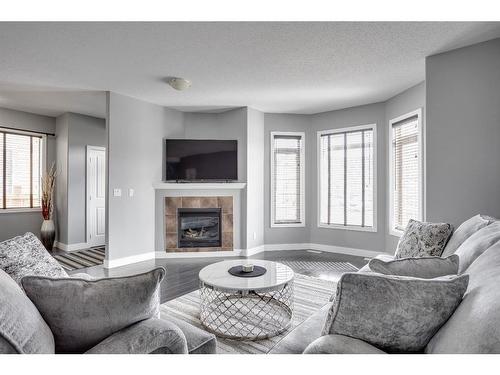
x=225 y=203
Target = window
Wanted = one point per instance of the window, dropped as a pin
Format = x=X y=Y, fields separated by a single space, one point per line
x=406 y=173
x=287 y=179
x=20 y=170
x=347 y=178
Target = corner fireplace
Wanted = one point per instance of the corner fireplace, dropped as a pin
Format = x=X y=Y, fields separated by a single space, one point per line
x=199 y=227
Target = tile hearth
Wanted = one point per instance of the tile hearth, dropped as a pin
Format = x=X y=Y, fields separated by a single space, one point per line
x=172 y=204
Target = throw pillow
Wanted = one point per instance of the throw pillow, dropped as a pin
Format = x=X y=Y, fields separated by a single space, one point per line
x=477 y=244
x=394 y=313
x=25 y=255
x=81 y=313
x=21 y=325
x=424 y=267
x=464 y=231
x=423 y=239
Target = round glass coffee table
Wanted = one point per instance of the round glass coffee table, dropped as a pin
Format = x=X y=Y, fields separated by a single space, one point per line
x=246 y=308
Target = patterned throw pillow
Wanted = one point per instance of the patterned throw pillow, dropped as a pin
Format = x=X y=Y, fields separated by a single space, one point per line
x=423 y=239
x=25 y=256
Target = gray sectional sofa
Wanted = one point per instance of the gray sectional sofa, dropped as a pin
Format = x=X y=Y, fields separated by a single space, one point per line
x=25 y=328
x=474 y=327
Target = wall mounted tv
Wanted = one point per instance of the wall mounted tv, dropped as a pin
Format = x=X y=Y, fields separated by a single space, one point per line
x=201 y=160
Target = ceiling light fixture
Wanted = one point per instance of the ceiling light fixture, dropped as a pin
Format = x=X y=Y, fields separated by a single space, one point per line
x=179 y=83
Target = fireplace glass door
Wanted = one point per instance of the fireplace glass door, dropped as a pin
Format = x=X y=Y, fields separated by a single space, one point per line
x=199 y=227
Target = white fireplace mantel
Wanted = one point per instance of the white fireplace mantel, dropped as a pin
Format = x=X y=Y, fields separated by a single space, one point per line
x=199 y=185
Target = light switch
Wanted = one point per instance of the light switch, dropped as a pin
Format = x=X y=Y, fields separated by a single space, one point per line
x=130 y=192
x=117 y=192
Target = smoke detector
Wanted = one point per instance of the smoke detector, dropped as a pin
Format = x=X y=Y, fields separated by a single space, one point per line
x=179 y=83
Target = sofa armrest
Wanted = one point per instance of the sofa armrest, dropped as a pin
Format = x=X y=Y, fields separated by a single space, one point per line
x=148 y=336
x=339 y=344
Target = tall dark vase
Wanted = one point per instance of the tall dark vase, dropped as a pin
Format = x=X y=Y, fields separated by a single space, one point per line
x=48 y=234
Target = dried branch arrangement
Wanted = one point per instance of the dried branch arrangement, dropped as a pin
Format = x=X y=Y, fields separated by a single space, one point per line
x=48 y=185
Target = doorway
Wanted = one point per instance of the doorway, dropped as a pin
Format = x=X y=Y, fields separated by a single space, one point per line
x=96 y=196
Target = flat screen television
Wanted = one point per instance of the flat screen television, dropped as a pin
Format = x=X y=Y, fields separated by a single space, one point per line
x=201 y=160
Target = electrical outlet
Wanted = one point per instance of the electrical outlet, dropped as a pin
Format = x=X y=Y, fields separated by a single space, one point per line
x=130 y=192
x=254 y=235
x=117 y=192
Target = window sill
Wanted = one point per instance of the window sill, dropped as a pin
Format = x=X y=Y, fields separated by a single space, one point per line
x=352 y=228
x=291 y=225
x=19 y=210
x=395 y=232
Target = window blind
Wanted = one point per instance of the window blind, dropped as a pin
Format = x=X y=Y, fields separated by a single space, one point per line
x=346 y=178
x=287 y=186
x=20 y=170
x=406 y=171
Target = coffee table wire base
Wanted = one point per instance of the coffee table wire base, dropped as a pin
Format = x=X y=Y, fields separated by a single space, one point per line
x=246 y=315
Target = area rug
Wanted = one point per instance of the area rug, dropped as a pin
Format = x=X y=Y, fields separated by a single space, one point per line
x=81 y=259
x=310 y=295
x=304 y=266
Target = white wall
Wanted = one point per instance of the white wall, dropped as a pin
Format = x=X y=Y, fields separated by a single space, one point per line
x=254 y=194
x=463 y=133
x=136 y=133
x=13 y=224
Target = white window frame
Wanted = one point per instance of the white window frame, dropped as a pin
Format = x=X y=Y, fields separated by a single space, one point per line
x=43 y=145
x=318 y=155
x=302 y=222
x=421 y=170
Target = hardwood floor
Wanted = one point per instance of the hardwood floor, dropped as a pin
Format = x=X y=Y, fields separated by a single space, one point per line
x=182 y=274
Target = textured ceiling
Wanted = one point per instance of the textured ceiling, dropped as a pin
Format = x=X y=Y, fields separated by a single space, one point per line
x=274 y=67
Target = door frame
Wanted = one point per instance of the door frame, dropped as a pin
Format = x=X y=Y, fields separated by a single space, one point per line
x=87 y=190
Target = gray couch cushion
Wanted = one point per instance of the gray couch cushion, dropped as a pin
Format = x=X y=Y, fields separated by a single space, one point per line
x=81 y=313
x=423 y=239
x=477 y=244
x=393 y=313
x=198 y=340
x=25 y=255
x=475 y=325
x=384 y=257
x=464 y=231
x=424 y=267
x=22 y=328
x=146 y=337
x=299 y=338
x=338 y=344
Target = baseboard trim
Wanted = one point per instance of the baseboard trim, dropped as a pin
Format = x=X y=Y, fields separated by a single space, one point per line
x=254 y=250
x=72 y=246
x=205 y=254
x=128 y=260
x=325 y=248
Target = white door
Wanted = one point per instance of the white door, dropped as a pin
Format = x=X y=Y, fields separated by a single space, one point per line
x=96 y=196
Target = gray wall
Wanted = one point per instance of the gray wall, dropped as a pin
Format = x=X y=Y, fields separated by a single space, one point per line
x=287 y=122
x=254 y=193
x=13 y=224
x=73 y=133
x=356 y=116
x=83 y=131
x=61 y=191
x=407 y=101
x=463 y=133
x=136 y=131
x=227 y=125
